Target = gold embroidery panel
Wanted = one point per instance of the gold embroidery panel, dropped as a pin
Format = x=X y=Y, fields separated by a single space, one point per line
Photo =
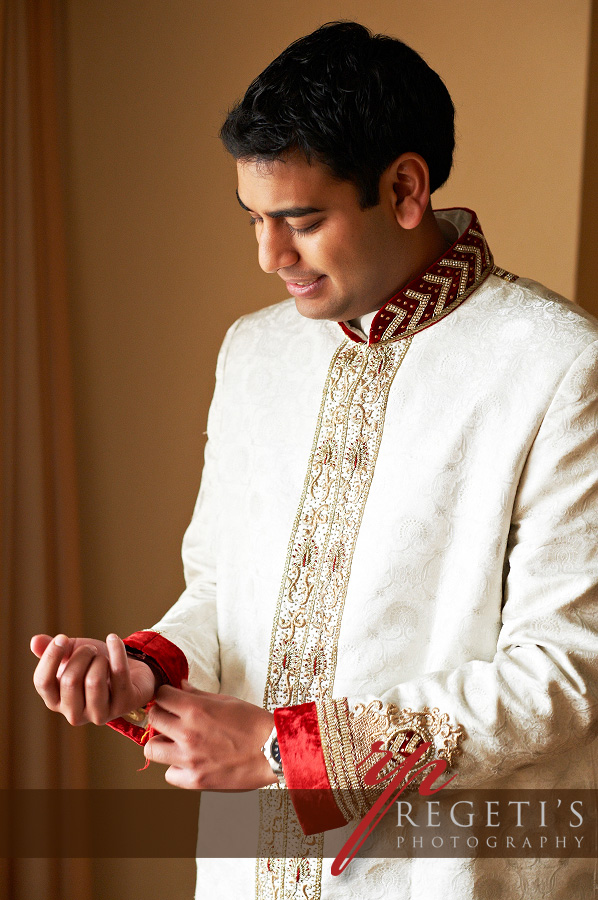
x=289 y=865
x=314 y=585
x=340 y=471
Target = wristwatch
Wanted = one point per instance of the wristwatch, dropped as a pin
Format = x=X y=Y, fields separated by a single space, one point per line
x=271 y=751
x=157 y=670
x=139 y=716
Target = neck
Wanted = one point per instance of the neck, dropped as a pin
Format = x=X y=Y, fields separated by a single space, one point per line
x=427 y=245
x=413 y=252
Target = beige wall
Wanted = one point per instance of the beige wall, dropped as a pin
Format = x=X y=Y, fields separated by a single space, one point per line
x=162 y=261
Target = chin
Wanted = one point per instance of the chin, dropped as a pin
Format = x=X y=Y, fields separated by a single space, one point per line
x=314 y=310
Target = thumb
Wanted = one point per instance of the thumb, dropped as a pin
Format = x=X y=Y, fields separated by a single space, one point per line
x=187 y=686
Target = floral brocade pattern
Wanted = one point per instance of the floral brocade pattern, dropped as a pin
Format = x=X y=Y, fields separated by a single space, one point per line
x=314 y=584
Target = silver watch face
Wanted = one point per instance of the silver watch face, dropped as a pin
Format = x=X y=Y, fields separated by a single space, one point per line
x=271 y=751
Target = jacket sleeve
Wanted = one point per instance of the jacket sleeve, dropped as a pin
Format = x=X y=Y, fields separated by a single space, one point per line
x=184 y=643
x=537 y=699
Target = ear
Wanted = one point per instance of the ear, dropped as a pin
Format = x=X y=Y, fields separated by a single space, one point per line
x=406 y=184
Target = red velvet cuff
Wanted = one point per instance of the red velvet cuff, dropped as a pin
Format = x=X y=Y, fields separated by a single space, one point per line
x=171 y=660
x=169 y=657
x=304 y=768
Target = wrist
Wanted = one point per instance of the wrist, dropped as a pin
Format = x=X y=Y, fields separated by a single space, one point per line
x=157 y=671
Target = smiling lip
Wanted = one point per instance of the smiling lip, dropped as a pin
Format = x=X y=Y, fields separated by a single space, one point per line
x=305 y=290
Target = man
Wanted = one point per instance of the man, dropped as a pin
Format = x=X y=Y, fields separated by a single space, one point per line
x=393 y=538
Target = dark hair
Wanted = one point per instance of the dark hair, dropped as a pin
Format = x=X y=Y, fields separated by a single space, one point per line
x=352 y=100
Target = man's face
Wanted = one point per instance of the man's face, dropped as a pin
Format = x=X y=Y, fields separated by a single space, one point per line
x=339 y=261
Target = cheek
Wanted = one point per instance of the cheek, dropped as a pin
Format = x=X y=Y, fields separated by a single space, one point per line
x=359 y=258
x=341 y=255
x=318 y=248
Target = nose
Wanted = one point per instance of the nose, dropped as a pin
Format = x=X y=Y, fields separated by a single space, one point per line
x=275 y=247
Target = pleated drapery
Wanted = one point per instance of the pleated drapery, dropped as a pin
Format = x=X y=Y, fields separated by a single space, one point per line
x=40 y=578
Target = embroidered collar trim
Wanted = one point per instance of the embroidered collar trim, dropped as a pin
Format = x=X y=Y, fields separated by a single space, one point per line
x=436 y=292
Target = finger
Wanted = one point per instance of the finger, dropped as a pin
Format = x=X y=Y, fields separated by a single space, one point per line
x=169 y=698
x=39 y=642
x=72 y=690
x=165 y=722
x=161 y=749
x=176 y=699
x=97 y=691
x=45 y=676
x=181 y=778
x=120 y=675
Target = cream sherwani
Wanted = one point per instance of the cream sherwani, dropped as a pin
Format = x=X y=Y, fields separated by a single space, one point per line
x=398 y=537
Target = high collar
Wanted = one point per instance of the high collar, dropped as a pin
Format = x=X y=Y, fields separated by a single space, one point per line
x=440 y=289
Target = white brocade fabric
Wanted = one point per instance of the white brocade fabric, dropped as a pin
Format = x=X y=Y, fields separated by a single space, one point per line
x=473 y=578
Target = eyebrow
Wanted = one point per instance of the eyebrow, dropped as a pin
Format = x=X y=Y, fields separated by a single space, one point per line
x=293 y=212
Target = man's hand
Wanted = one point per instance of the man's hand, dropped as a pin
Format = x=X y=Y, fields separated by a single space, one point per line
x=88 y=680
x=211 y=742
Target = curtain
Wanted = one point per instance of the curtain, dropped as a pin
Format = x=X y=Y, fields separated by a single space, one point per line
x=588 y=242
x=40 y=579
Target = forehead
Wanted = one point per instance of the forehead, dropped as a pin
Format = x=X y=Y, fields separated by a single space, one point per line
x=268 y=185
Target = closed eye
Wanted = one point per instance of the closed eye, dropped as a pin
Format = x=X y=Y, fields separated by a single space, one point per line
x=255 y=220
x=300 y=231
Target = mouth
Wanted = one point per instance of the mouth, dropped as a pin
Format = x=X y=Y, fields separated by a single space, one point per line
x=305 y=287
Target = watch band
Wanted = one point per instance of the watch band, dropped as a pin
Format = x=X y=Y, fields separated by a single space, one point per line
x=158 y=671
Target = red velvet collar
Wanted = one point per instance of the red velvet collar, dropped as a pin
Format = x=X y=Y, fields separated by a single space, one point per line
x=439 y=290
